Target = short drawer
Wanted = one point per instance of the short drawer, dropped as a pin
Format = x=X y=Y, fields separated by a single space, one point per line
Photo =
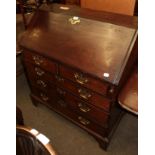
x=40 y=84
x=40 y=61
x=85 y=94
x=35 y=72
x=84 y=80
x=84 y=109
x=42 y=95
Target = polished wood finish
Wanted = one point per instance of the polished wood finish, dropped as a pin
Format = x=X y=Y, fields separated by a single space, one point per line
x=128 y=97
x=85 y=109
x=76 y=72
x=103 y=16
x=40 y=61
x=84 y=80
x=85 y=94
x=84 y=44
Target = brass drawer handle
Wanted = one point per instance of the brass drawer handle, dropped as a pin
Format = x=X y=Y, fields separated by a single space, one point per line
x=80 y=78
x=84 y=94
x=61 y=92
x=83 y=107
x=37 y=59
x=39 y=71
x=41 y=83
x=59 y=79
x=83 y=120
x=44 y=97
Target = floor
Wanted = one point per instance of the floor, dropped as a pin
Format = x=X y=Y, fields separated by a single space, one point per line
x=67 y=138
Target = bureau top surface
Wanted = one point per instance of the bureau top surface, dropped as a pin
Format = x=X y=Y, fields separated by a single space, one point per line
x=98 y=48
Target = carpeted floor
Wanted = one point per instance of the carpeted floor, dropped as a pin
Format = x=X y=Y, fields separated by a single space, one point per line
x=67 y=138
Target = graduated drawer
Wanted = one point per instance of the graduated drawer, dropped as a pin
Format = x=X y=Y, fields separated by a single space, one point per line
x=40 y=61
x=61 y=107
x=87 y=110
x=42 y=95
x=40 y=83
x=85 y=94
x=84 y=80
x=35 y=72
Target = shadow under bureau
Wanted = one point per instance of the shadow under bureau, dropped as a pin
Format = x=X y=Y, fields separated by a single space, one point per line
x=77 y=70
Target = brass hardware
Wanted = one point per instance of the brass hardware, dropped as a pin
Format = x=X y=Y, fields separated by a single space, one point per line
x=44 y=97
x=37 y=59
x=83 y=121
x=61 y=103
x=39 y=71
x=80 y=79
x=61 y=92
x=74 y=20
x=83 y=107
x=42 y=83
x=84 y=94
x=59 y=79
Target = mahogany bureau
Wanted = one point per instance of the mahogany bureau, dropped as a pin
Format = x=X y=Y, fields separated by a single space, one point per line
x=77 y=70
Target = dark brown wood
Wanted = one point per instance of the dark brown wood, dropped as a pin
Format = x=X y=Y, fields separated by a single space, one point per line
x=40 y=61
x=85 y=94
x=84 y=80
x=87 y=44
x=92 y=128
x=103 y=16
x=35 y=72
x=83 y=108
x=71 y=62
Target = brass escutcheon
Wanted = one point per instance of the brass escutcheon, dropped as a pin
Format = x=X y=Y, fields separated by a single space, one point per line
x=84 y=94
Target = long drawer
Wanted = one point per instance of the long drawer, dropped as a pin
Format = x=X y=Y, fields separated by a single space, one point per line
x=84 y=80
x=85 y=94
x=42 y=95
x=40 y=61
x=62 y=108
x=87 y=110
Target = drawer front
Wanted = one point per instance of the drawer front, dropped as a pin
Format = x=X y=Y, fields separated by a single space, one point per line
x=40 y=84
x=84 y=109
x=40 y=61
x=35 y=72
x=84 y=80
x=62 y=108
x=42 y=95
x=54 y=101
x=85 y=94
x=87 y=124
x=77 y=118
